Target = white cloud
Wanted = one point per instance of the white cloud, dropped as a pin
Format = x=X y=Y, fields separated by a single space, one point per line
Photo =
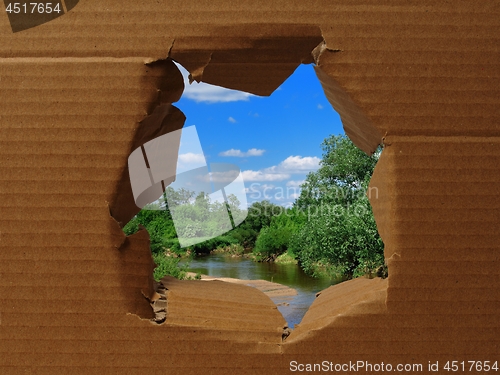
x=295 y=183
x=232 y=120
x=320 y=106
x=191 y=158
x=250 y=175
x=299 y=163
x=241 y=154
x=295 y=164
x=231 y=152
x=255 y=152
x=284 y=170
x=203 y=92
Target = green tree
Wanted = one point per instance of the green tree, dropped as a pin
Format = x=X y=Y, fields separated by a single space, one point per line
x=344 y=238
x=340 y=230
x=342 y=176
x=158 y=222
x=273 y=240
x=259 y=215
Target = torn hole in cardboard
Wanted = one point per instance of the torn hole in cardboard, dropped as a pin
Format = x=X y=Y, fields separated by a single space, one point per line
x=206 y=66
x=157 y=296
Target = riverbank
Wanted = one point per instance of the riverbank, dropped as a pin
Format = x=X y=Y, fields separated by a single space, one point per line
x=274 y=279
x=269 y=288
x=281 y=295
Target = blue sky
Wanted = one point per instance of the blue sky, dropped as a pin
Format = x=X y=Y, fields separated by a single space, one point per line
x=274 y=140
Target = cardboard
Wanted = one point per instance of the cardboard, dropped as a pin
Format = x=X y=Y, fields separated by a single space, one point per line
x=80 y=91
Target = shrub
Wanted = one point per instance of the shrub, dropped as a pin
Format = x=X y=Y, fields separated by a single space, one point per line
x=168 y=266
x=213 y=243
x=272 y=242
x=346 y=240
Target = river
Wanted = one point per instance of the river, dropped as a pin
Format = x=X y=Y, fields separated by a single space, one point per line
x=293 y=308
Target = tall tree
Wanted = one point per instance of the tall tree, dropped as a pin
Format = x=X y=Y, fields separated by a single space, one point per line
x=344 y=170
x=340 y=230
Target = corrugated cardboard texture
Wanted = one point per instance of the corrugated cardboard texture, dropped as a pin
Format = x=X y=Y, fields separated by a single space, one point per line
x=224 y=306
x=423 y=77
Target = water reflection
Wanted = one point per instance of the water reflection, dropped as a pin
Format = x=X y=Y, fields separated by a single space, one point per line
x=291 y=275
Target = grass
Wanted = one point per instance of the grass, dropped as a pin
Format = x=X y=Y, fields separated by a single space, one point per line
x=286 y=258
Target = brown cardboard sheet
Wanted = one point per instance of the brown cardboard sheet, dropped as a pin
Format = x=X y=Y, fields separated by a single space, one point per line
x=81 y=91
